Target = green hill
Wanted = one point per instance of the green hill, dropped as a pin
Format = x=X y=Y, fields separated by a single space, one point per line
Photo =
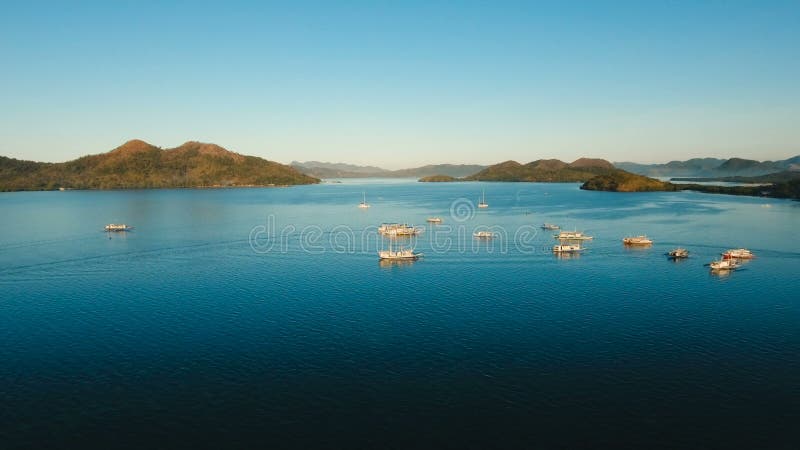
x=544 y=170
x=622 y=181
x=138 y=165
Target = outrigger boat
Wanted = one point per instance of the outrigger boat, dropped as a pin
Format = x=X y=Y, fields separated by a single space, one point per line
x=118 y=227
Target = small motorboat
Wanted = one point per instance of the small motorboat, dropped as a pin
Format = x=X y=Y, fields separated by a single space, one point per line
x=678 y=253
x=434 y=220
x=483 y=234
x=550 y=226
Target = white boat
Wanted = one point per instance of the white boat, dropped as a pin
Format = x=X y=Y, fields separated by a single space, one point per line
x=637 y=240
x=118 y=227
x=567 y=248
x=482 y=203
x=364 y=203
x=572 y=236
x=483 y=234
x=403 y=254
x=434 y=219
x=725 y=264
x=398 y=229
x=738 y=253
x=678 y=253
x=550 y=226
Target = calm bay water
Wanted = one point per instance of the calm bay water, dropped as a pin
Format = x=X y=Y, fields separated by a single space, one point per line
x=262 y=317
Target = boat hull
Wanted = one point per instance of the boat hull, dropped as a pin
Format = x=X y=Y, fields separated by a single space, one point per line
x=567 y=249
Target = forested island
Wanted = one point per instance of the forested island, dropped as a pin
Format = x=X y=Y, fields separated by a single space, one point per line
x=139 y=165
x=626 y=182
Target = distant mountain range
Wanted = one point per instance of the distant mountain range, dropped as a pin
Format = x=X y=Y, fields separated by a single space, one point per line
x=711 y=167
x=137 y=164
x=777 y=177
x=555 y=170
x=341 y=170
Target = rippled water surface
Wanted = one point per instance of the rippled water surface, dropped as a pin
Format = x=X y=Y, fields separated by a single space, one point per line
x=262 y=317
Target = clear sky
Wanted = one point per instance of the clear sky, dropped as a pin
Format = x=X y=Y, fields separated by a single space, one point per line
x=399 y=84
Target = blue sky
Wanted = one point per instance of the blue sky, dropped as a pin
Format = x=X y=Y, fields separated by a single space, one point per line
x=400 y=84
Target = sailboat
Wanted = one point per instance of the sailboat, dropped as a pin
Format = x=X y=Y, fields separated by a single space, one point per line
x=482 y=203
x=364 y=203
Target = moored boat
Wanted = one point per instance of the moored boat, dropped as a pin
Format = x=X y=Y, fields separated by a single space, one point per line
x=482 y=202
x=398 y=229
x=364 y=204
x=403 y=254
x=738 y=253
x=637 y=240
x=118 y=227
x=550 y=226
x=724 y=264
x=483 y=234
x=572 y=236
x=678 y=253
x=567 y=248
x=434 y=220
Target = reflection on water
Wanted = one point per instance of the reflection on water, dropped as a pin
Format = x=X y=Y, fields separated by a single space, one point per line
x=390 y=263
x=637 y=247
x=564 y=255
